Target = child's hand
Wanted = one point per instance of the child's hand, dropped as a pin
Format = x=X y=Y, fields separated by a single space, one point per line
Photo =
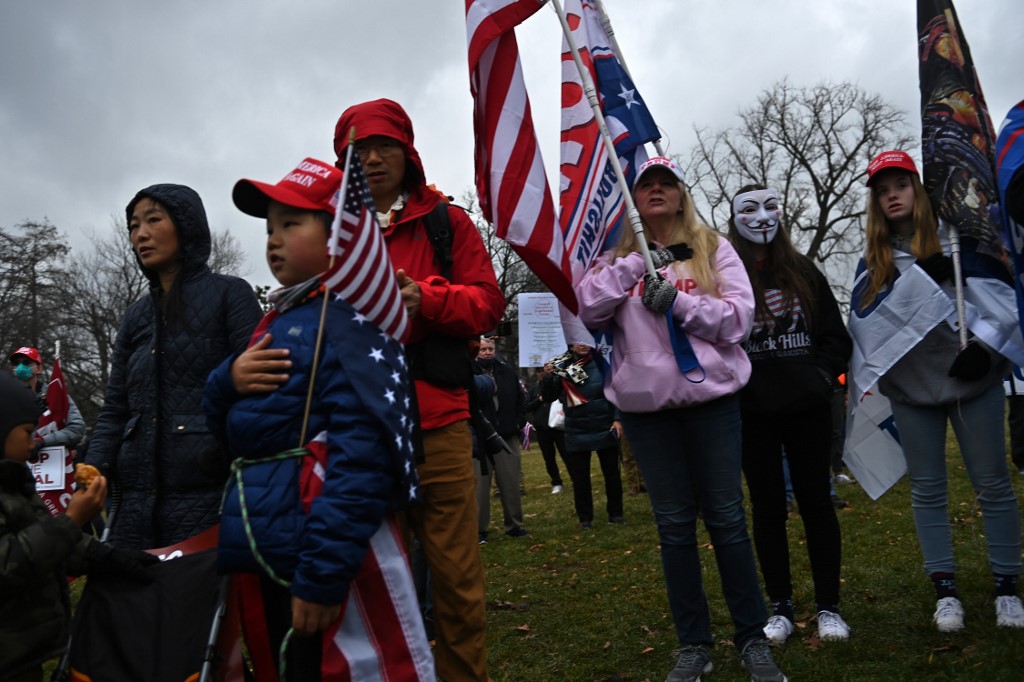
x=309 y=618
x=411 y=294
x=86 y=503
x=260 y=369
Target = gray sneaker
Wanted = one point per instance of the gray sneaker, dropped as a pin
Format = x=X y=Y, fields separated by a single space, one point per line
x=757 y=660
x=693 y=662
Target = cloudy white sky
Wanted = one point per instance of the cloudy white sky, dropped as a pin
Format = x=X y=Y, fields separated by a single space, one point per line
x=99 y=99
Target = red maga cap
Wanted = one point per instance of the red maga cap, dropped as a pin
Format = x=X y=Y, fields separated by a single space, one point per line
x=312 y=186
x=29 y=352
x=890 y=159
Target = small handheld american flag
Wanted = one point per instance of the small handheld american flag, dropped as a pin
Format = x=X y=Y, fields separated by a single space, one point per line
x=360 y=270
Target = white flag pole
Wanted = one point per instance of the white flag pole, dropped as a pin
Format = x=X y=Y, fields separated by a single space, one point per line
x=613 y=156
x=958 y=281
x=606 y=23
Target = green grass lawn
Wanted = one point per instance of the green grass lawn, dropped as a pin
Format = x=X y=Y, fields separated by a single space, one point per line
x=572 y=605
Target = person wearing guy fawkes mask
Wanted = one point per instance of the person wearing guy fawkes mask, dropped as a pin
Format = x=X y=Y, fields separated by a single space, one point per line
x=27 y=365
x=591 y=425
x=797 y=348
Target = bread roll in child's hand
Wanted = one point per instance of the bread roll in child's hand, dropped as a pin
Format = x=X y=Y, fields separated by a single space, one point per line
x=85 y=474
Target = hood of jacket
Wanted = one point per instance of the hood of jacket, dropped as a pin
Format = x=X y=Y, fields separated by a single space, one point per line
x=382 y=117
x=189 y=216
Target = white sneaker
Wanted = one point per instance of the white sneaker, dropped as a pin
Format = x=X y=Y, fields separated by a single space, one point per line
x=778 y=629
x=556 y=489
x=949 y=614
x=1009 y=612
x=842 y=479
x=832 y=627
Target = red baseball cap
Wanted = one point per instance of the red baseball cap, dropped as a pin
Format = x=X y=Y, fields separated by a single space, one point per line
x=890 y=159
x=659 y=162
x=29 y=352
x=312 y=186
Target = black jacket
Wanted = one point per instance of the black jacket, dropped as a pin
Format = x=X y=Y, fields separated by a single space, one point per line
x=166 y=470
x=794 y=364
x=587 y=426
x=510 y=417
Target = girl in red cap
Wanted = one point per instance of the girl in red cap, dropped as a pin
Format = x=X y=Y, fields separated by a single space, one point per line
x=902 y=303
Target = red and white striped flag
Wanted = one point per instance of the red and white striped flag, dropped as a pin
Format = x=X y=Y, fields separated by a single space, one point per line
x=511 y=184
x=361 y=271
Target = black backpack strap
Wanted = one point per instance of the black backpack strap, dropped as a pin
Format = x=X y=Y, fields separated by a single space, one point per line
x=439 y=231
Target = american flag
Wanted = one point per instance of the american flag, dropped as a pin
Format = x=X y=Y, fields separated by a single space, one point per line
x=360 y=270
x=511 y=183
x=54 y=419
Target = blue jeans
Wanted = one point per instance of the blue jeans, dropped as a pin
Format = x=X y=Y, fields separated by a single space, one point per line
x=978 y=424
x=690 y=459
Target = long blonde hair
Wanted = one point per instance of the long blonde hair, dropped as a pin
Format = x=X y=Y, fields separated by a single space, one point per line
x=878 y=239
x=701 y=238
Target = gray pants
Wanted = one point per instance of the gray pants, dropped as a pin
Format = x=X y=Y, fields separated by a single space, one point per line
x=508 y=470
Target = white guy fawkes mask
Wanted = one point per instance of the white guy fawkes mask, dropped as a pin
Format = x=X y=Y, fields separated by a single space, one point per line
x=756 y=215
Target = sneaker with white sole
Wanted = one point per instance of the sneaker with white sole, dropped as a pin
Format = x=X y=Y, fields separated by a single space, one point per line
x=556 y=489
x=756 y=659
x=832 y=627
x=842 y=479
x=778 y=629
x=949 y=615
x=1009 y=612
x=693 y=662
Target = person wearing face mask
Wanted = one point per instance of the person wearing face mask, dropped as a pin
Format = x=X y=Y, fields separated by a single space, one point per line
x=508 y=418
x=797 y=348
x=592 y=424
x=27 y=365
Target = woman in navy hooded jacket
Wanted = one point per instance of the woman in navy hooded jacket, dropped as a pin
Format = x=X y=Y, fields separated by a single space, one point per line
x=166 y=469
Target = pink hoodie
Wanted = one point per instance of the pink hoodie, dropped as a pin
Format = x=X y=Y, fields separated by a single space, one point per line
x=644 y=375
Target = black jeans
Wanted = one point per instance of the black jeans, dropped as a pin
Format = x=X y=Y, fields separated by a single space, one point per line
x=548 y=440
x=806 y=437
x=578 y=464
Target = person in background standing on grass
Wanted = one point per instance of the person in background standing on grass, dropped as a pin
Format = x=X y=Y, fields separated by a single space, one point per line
x=797 y=347
x=548 y=439
x=904 y=270
x=509 y=417
x=27 y=365
x=591 y=425
x=685 y=426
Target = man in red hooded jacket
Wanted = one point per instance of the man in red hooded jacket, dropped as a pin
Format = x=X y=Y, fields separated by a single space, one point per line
x=444 y=313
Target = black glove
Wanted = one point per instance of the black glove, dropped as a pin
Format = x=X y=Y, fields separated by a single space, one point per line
x=668 y=254
x=938 y=266
x=659 y=293
x=971 y=363
x=107 y=560
x=661 y=257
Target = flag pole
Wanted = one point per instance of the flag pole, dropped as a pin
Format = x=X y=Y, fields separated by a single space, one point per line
x=335 y=229
x=606 y=23
x=613 y=156
x=958 y=282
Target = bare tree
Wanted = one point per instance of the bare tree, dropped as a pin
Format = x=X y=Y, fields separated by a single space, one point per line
x=226 y=255
x=813 y=146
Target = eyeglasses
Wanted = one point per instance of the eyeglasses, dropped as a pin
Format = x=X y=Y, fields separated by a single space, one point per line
x=384 y=148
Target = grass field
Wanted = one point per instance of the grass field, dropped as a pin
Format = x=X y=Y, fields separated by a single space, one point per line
x=571 y=605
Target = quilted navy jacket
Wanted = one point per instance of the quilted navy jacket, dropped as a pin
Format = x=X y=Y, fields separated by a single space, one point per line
x=166 y=469
x=362 y=409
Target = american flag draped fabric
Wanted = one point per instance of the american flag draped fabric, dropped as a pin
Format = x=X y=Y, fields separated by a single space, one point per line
x=361 y=271
x=511 y=184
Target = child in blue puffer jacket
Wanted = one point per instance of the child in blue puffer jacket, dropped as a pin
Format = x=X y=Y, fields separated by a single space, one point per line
x=307 y=522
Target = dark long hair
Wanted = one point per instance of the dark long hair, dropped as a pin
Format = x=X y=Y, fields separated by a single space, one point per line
x=790 y=269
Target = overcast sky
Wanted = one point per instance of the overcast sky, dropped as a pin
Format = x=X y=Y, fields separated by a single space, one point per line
x=100 y=99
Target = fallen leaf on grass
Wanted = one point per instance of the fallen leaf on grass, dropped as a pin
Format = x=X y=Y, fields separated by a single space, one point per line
x=522 y=628
x=607 y=645
x=647 y=650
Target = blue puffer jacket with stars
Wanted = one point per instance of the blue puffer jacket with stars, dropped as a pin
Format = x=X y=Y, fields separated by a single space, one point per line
x=361 y=405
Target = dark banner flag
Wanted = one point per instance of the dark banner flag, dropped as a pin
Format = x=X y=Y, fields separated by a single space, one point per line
x=957 y=138
x=1010 y=173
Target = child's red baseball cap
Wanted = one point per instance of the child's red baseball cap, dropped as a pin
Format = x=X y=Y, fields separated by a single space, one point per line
x=312 y=186
x=890 y=159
